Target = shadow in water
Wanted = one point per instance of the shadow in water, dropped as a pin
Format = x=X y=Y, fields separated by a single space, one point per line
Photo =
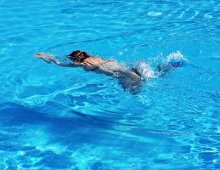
x=78 y=135
x=84 y=128
x=74 y=130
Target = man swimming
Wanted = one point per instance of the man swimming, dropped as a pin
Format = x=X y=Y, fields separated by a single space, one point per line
x=130 y=79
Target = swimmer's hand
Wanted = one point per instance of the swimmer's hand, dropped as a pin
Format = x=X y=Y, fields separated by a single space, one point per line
x=46 y=57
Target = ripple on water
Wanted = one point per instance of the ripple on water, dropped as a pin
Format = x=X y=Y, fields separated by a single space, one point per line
x=154 y=14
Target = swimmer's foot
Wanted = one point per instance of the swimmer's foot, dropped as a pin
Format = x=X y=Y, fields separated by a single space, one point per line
x=46 y=57
x=176 y=59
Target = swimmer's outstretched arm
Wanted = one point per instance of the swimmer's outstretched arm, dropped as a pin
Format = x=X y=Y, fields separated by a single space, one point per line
x=50 y=58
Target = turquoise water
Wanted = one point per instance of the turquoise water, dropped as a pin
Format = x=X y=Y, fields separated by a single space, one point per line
x=64 y=118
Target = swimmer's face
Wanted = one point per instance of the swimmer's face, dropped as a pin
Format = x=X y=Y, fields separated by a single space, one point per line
x=78 y=56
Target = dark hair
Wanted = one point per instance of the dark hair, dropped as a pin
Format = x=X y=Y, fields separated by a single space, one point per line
x=78 y=56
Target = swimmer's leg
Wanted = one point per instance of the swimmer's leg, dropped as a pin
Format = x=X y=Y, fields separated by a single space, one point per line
x=145 y=71
x=130 y=82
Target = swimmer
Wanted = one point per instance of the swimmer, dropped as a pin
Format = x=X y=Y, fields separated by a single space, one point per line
x=129 y=79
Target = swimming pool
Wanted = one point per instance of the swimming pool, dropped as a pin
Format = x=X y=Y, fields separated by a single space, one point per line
x=63 y=118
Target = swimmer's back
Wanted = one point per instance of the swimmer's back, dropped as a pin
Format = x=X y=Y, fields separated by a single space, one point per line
x=110 y=67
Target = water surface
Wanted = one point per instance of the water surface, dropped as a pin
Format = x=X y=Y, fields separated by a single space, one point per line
x=63 y=118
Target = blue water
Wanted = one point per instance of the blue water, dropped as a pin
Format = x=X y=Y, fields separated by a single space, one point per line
x=65 y=118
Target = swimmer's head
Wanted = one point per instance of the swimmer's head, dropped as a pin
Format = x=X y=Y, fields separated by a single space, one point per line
x=78 y=56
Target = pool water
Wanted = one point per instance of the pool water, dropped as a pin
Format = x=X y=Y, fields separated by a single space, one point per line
x=65 y=118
